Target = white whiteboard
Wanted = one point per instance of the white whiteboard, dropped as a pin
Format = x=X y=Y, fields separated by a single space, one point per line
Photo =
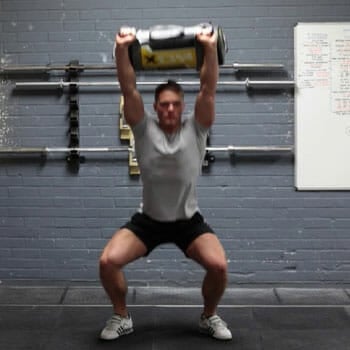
x=322 y=106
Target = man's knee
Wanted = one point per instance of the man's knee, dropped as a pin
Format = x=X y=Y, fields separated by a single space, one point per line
x=109 y=259
x=208 y=252
x=218 y=265
x=123 y=248
x=215 y=264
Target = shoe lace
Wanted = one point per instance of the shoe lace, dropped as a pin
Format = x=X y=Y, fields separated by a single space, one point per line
x=114 y=322
x=217 y=322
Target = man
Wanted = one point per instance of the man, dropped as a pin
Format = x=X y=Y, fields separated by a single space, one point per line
x=170 y=152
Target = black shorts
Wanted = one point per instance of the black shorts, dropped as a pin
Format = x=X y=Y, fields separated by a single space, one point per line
x=180 y=232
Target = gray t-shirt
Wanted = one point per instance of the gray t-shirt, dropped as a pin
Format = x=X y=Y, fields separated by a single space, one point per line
x=169 y=166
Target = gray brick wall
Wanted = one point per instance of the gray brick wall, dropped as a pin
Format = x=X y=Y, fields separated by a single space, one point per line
x=53 y=224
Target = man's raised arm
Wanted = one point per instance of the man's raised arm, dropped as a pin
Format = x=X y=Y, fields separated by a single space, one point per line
x=133 y=104
x=209 y=72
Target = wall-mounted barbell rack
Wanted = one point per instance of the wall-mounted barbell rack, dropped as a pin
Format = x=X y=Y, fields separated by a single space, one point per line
x=230 y=149
x=40 y=69
x=247 y=83
x=76 y=68
x=233 y=151
x=72 y=84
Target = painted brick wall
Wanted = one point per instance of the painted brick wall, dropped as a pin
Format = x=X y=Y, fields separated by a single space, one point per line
x=54 y=223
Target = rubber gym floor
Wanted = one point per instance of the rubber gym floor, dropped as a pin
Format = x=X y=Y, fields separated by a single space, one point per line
x=70 y=316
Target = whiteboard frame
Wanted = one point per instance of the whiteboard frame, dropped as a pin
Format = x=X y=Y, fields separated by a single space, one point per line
x=314 y=158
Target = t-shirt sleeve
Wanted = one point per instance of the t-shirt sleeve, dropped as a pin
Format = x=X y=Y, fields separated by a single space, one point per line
x=139 y=128
x=199 y=127
x=202 y=133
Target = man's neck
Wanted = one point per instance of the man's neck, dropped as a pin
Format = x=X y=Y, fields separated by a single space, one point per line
x=169 y=130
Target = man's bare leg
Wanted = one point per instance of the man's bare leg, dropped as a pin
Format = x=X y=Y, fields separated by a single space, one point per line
x=208 y=252
x=123 y=248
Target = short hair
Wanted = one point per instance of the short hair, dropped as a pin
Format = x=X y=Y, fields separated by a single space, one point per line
x=171 y=85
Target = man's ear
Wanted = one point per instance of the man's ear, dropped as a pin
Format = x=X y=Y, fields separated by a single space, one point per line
x=154 y=105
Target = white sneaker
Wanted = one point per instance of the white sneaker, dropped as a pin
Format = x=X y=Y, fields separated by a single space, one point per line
x=117 y=326
x=215 y=327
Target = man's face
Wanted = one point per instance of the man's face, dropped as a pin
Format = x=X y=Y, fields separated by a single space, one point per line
x=169 y=108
